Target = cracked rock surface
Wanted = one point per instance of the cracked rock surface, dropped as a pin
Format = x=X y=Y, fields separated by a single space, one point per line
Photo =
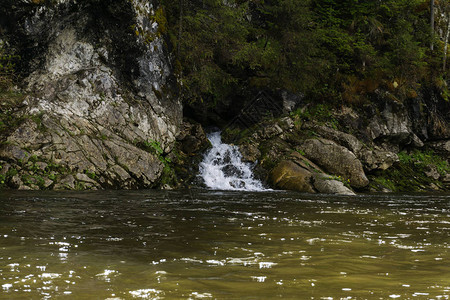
x=98 y=84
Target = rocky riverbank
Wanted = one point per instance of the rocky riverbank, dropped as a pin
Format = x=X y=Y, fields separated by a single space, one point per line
x=97 y=106
x=378 y=147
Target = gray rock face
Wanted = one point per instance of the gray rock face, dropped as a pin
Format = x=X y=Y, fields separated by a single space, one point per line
x=394 y=127
x=377 y=159
x=336 y=160
x=98 y=91
x=372 y=159
x=344 y=139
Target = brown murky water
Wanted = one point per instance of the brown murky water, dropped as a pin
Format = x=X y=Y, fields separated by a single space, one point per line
x=223 y=245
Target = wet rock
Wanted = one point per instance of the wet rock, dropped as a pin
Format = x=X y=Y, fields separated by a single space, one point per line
x=119 y=174
x=290 y=100
x=302 y=175
x=327 y=185
x=23 y=187
x=434 y=187
x=394 y=122
x=416 y=141
x=191 y=144
x=232 y=171
x=166 y=187
x=67 y=182
x=250 y=152
x=14 y=152
x=392 y=127
x=190 y=147
x=140 y=164
x=238 y=184
x=47 y=183
x=336 y=160
x=286 y=124
x=27 y=133
x=446 y=181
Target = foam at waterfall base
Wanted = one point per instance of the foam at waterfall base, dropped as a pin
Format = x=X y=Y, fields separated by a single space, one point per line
x=222 y=168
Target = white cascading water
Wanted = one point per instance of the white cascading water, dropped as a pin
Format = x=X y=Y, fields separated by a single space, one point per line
x=222 y=168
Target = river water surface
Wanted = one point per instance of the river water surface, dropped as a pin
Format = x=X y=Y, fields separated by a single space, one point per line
x=223 y=245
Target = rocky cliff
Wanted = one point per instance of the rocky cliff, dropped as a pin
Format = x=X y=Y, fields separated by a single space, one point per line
x=99 y=106
x=385 y=145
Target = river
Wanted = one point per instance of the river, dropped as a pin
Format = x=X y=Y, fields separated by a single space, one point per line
x=200 y=244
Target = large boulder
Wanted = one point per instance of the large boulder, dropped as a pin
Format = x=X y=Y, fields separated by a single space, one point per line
x=288 y=175
x=335 y=159
x=297 y=173
x=326 y=184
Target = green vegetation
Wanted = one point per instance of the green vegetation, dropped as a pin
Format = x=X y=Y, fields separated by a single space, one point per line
x=332 y=51
x=33 y=171
x=91 y=174
x=301 y=152
x=321 y=113
x=37 y=118
x=154 y=147
x=222 y=46
x=7 y=67
x=410 y=174
x=385 y=183
x=424 y=159
x=10 y=99
x=346 y=182
x=168 y=176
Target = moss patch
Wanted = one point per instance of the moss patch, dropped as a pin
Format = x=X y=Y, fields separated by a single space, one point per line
x=320 y=113
x=409 y=174
x=36 y=172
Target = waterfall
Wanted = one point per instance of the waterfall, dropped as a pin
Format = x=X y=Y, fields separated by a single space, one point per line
x=222 y=168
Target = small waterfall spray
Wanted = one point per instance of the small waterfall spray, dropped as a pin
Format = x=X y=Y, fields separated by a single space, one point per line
x=222 y=168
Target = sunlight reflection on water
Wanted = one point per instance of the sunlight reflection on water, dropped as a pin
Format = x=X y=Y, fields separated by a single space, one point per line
x=200 y=245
